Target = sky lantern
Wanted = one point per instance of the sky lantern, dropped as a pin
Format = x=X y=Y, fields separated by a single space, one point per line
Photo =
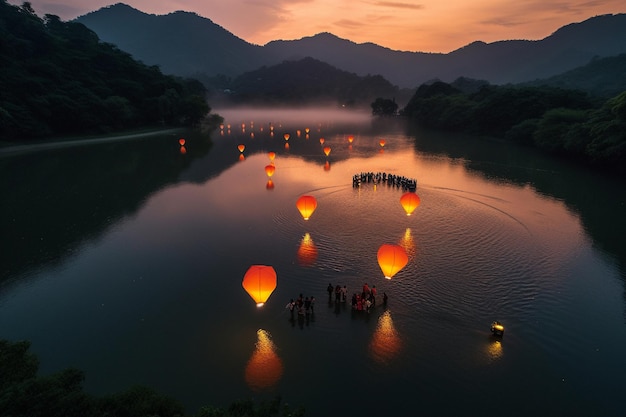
x=322 y=140
x=260 y=281
x=410 y=201
x=221 y=126
x=391 y=259
x=350 y=139
x=271 y=155
x=264 y=369
x=241 y=148
x=181 y=142
x=327 y=150
x=298 y=133
x=286 y=136
x=382 y=143
x=306 y=204
x=269 y=170
x=307 y=130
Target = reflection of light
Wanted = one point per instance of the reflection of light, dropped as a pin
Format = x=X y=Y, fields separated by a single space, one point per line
x=495 y=349
x=407 y=243
x=241 y=157
x=271 y=155
x=307 y=252
x=264 y=368
x=287 y=145
x=327 y=166
x=385 y=343
x=183 y=150
x=269 y=185
x=286 y=136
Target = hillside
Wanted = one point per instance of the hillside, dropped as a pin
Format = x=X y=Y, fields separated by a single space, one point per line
x=59 y=79
x=200 y=46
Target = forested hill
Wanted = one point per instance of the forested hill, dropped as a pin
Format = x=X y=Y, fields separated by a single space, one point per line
x=309 y=81
x=58 y=78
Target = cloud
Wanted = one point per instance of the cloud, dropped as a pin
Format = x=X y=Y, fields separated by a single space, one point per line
x=397 y=5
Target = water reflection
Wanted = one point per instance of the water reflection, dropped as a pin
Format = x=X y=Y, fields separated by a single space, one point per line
x=408 y=244
x=386 y=343
x=494 y=349
x=265 y=368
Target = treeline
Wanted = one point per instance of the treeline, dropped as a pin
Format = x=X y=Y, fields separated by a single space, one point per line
x=560 y=121
x=302 y=82
x=25 y=394
x=58 y=78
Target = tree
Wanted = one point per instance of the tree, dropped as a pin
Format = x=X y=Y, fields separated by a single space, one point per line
x=384 y=107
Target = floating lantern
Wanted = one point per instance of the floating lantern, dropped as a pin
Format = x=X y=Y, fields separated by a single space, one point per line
x=286 y=136
x=241 y=148
x=307 y=130
x=391 y=259
x=271 y=155
x=327 y=150
x=306 y=205
x=270 y=169
x=350 y=139
x=221 y=126
x=181 y=141
x=382 y=143
x=264 y=369
x=322 y=140
x=259 y=282
x=298 y=133
x=497 y=328
x=410 y=201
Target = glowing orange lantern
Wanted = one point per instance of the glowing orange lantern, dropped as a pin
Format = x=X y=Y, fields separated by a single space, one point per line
x=410 y=201
x=307 y=130
x=306 y=205
x=327 y=150
x=322 y=140
x=350 y=139
x=270 y=169
x=271 y=155
x=391 y=259
x=382 y=143
x=286 y=136
x=241 y=148
x=259 y=281
x=181 y=141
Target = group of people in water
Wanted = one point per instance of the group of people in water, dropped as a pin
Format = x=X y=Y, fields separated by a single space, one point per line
x=407 y=184
x=362 y=301
x=301 y=305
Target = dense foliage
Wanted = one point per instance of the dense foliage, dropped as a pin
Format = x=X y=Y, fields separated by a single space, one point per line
x=25 y=394
x=565 y=122
x=58 y=78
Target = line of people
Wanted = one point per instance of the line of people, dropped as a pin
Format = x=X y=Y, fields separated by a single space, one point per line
x=302 y=305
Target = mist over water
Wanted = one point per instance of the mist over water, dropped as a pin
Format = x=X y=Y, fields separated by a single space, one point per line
x=148 y=289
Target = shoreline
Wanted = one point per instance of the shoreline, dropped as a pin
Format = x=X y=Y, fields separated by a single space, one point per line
x=58 y=144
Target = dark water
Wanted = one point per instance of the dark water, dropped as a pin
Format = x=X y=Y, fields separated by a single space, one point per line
x=125 y=259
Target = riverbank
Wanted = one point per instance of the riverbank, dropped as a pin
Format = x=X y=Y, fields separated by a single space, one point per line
x=11 y=149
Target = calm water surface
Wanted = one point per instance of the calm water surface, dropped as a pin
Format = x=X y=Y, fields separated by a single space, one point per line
x=125 y=259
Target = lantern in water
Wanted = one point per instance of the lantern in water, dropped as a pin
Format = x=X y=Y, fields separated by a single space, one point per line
x=271 y=155
x=410 y=201
x=270 y=184
x=181 y=141
x=270 y=169
x=260 y=281
x=327 y=150
x=264 y=369
x=183 y=150
x=382 y=143
x=241 y=148
x=350 y=139
x=286 y=136
x=327 y=166
x=306 y=205
x=391 y=259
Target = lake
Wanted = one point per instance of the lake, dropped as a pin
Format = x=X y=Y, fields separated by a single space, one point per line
x=125 y=259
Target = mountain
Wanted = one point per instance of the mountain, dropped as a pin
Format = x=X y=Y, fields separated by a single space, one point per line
x=186 y=44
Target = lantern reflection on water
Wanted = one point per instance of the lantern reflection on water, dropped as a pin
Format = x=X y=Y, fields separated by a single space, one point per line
x=271 y=155
x=391 y=259
x=306 y=204
x=410 y=201
x=259 y=282
x=269 y=185
x=385 y=342
x=307 y=252
x=264 y=369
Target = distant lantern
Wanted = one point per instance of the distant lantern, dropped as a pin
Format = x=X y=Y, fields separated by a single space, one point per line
x=298 y=133
x=221 y=126
x=327 y=150
x=391 y=259
x=382 y=143
x=269 y=170
x=410 y=201
x=306 y=205
x=259 y=282
x=307 y=130
x=286 y=136
x=350 y=139
x=322 y=140
x=241 y=148
x=271 y=155
x=181 y=142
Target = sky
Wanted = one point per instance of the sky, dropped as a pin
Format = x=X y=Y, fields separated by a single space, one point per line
x=417 y=26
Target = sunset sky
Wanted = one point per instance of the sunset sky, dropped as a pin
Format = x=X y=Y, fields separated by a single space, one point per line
x=422 y=26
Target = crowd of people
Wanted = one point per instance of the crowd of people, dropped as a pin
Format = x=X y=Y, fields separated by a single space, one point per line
x=301 y=305
x=362 y=301
x=407 y=184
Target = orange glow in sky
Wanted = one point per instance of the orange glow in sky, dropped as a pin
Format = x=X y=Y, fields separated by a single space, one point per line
x=424 y=26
